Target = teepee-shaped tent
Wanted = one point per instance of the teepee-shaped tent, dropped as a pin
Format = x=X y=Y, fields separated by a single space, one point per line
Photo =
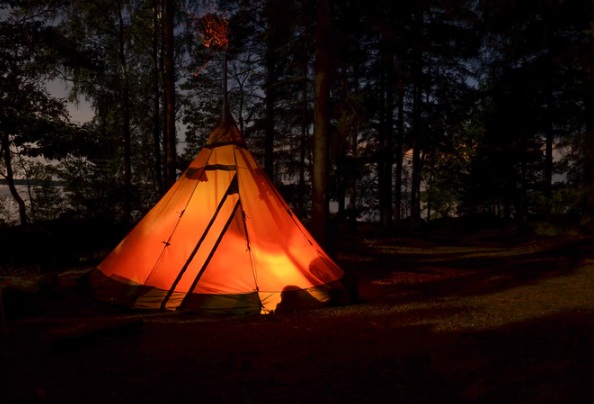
x=222 y=239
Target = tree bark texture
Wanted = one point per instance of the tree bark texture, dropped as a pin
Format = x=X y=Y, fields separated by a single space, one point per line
x=387 y=139
x=588 y=146
x=157 y=96
x=319 y=218
x=5 y=148
x=415 y=199
x=399 y=154
x=127 y=133
x=271 y=61
x=171 y=157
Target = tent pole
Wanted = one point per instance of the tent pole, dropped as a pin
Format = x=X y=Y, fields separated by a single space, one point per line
x=230 y=190
x=225 y=109
x=212 y=252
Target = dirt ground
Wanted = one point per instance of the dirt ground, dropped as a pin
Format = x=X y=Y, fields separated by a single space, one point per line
x=494 y=316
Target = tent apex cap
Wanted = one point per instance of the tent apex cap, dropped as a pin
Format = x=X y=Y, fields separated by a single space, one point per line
x=226 y=132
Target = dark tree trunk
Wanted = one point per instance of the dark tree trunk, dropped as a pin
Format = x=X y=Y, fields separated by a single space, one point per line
x=171 y=157
x=125 y=121
x=163 y=98
x=387 y=140
x=352 y=180
x=431 y=177
x=381 y=143
x=157 y=95
x=399 y=153
x=415 y=199
x=269 y=127
x=303 y=145
x=340 y=156
x=353 y=144
x=271 y=61
x=319 y=221
x=588 y=146
x=5 y=148
x=548 y=164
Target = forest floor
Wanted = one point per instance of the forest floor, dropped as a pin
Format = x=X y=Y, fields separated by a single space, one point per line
x=487 y=316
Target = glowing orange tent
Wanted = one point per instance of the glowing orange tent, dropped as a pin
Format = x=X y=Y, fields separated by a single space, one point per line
x=222 y=239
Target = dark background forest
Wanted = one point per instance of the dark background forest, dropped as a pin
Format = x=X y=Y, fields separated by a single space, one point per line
x=399 y=113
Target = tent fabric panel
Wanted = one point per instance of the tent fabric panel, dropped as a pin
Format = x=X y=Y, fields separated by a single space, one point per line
x=193 y=265
x=222 y=156
x=192 y=225
x=137 y=253
x=330 y=270
x=230 y=268
x=297 y=260
x=153 y=299
x=114 y=289
x=182 y=212
x=122 y=292
x=246 y=303
x=119 y=292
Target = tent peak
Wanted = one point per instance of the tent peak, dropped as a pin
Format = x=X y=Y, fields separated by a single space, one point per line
x=225 y=132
